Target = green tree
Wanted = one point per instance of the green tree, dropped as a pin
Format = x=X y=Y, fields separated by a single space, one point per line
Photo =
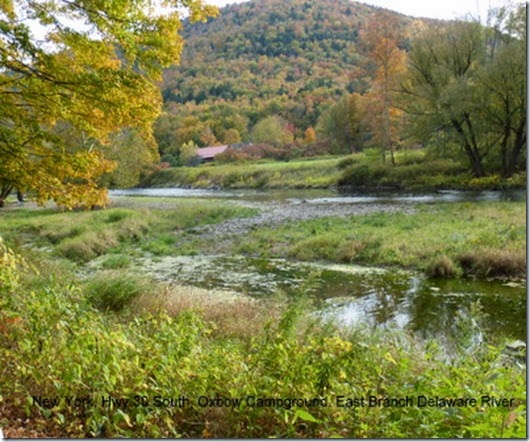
x=133 y=155
x=231 y=136
x=340 y=124
x=466 y=84
x=97 y=73
x=188 y=152
x=503 y=79
x=272 y=130
x=208 y=137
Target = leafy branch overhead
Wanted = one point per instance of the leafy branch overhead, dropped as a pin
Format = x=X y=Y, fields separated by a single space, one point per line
x=91 y=67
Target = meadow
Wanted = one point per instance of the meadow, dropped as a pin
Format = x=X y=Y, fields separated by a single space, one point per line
x=300 y=173
x=415 y=170
x=485 y=239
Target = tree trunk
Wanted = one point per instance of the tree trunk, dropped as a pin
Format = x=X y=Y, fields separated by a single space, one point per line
x=5 y=190
x=471 y=150
x=518 y=145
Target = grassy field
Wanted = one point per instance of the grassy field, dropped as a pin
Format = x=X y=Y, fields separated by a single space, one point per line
x=83 y=236
x=486 y=239
x=414 y=170
x=310 y=173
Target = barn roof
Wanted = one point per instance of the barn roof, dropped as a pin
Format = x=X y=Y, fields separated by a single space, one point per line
x=210 y=152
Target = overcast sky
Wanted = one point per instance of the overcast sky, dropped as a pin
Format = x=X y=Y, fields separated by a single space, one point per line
x=444 y=9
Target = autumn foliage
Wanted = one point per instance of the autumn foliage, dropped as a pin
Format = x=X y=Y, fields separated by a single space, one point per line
x=95 y=82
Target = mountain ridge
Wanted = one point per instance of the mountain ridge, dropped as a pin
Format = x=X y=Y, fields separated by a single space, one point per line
x=268 y=57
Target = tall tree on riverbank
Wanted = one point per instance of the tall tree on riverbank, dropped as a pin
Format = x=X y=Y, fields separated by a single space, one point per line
x=93 y=69
x=382 y=36
x=466 y=85
x=503 y=78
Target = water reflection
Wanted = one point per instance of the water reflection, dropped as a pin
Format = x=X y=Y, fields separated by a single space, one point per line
x=436 y=308
x=353 y=295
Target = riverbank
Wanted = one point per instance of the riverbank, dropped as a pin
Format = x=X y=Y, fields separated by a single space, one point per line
x=414 y=171
x=483 y=239
x=77 y=338
x=310 y=173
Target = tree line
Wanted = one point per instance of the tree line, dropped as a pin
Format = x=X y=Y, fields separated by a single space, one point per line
x=456 y=88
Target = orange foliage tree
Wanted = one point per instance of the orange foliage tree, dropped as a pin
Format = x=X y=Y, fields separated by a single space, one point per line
x=382 y=36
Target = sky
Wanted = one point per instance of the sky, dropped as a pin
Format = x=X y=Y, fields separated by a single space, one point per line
x=442 y=9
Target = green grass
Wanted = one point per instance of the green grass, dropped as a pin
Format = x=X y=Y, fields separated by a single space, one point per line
x=310 y=173
x=117 y=261
x=483 y=239
x=113 y=290
x=414 y=170
x=84 y=236
x=486 y=239
x=417 y=170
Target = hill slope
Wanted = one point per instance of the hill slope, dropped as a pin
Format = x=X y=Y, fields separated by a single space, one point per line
x=289 y=58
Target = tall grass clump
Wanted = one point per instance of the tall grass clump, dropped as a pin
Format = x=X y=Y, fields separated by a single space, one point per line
x=88 y=245
x=488 y=262
x=114 y=290
x=442 y=267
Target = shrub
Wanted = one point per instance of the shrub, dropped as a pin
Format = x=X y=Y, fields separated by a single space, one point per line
x=364 y=174
x=442 y=267
x=60 y=347
x=347 y=162
x=316 y=149
x=411 y=157
x=231 y=155
x=10 y=266
x=87 y=246
x=494 y=262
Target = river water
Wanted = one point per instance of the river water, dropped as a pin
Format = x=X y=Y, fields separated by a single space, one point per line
x=319 y=196
x=354 y=295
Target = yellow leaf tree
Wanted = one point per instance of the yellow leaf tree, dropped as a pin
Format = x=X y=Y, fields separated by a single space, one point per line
x=90 y=66
x=382 y=35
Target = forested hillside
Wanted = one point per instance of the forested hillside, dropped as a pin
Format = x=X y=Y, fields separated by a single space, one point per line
x=287 y=59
